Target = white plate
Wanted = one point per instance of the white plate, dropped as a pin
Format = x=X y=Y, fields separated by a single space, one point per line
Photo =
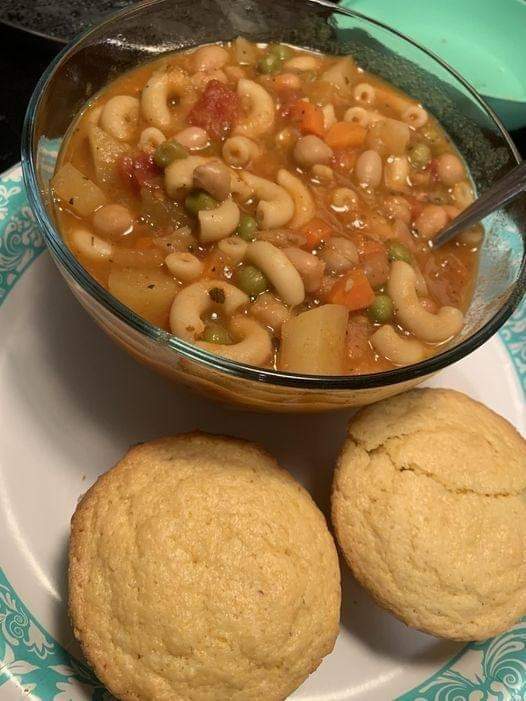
x=71 y=403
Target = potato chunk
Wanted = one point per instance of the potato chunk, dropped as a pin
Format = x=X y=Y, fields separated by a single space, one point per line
x=149 y=293
x=78 y=192
x=314 y=342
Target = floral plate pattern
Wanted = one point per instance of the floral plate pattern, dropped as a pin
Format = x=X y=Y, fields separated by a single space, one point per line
x=43 y=670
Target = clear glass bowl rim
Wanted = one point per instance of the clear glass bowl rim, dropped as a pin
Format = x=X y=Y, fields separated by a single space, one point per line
x=187 y=350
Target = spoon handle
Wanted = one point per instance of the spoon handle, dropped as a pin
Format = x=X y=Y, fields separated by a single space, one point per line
x=499 y=194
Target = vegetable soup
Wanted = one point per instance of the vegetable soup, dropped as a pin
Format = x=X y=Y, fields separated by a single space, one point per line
x=273 y=206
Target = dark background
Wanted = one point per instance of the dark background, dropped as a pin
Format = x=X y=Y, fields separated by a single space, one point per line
x=23 y=58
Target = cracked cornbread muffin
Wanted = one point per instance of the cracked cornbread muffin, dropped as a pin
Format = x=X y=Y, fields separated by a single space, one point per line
x=429 y=507
x=201 y=570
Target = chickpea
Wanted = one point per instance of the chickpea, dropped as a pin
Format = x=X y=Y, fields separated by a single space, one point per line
x=113 y=221
x=339 y=255
x=450 y=169
x=369 y=169
x=310 y=150
x=431 y=220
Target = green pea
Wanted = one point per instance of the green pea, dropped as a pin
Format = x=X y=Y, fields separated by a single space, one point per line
x=381 y=310
x=251 y=280
x=269 y=64
x=167 y=152
x=397 y=251
x=198 y=200
x=246 y=227
x=420 y=155
x=216 y=333
x=281 y=51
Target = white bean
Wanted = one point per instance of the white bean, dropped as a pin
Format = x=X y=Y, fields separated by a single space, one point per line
x=214 y=177
x=450 y=169
x=339 y=254
x=431 y=220
x=91 y=246
x=113 y=220
x=279 y=271
x=311 y=149
x=193 y=138
x=369 y=169
x=310 y=267
x=269 y=311
x=184 y=266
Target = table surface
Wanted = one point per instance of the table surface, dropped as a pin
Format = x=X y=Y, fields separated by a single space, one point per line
x=18 y=79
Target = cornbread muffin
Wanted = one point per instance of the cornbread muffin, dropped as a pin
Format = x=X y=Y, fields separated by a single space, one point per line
x=429 y=507
x=199 y=569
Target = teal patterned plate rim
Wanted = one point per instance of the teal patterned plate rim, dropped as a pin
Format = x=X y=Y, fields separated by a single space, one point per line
x=40 y=667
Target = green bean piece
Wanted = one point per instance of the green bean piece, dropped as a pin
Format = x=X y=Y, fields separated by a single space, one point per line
x=167 y=152
x=216 y=333
x=397 y=251
x=280 y=51
x=251 y=280
x=246 y=227
x=420 y=155
x=381 y=310
x=269 y=64
x=198 y=200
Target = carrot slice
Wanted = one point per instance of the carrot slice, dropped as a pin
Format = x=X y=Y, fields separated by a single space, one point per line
x=345 y=135
x=316 y=231
x=352 y=290
x=309 y=117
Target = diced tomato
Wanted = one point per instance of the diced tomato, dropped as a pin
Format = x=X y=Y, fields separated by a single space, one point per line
x=216 y=111
x=140 y=171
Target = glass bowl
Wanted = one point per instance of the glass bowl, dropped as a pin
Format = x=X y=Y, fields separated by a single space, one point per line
x=147 y=30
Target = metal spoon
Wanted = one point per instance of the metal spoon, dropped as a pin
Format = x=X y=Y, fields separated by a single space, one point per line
x=503 y=191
